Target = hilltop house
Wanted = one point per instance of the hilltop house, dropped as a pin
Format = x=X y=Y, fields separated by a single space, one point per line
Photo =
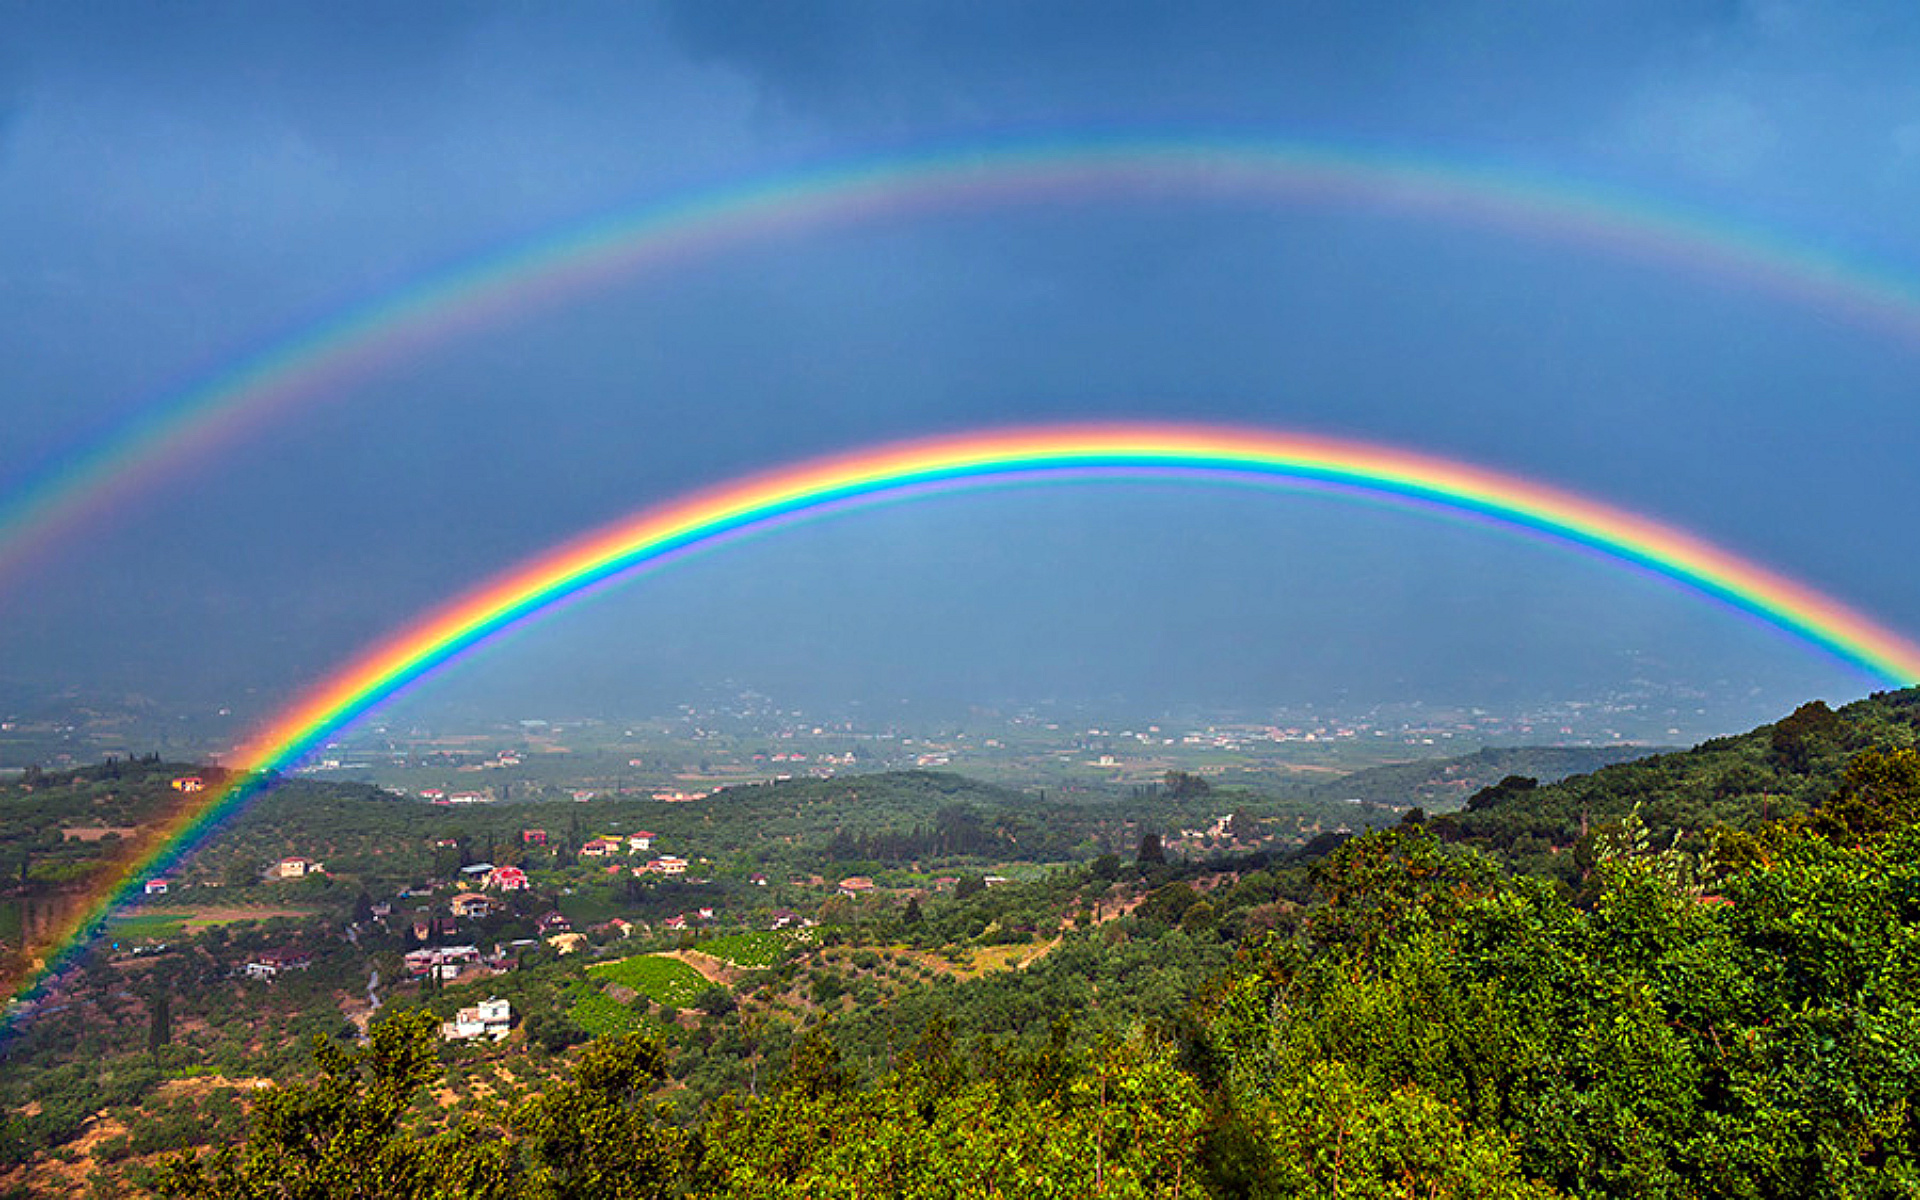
x=552 y=922
x=270 y=963
x=443 y=962
x=471 y=904
x=856 y=885
x=157 y=887
x=492 y=1018
x=507 y=879
x=640 y=841
x=189 y=783
x=296 y=868
x=599 y=847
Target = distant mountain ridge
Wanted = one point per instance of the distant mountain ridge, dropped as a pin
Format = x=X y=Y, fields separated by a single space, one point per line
x=1444 y=784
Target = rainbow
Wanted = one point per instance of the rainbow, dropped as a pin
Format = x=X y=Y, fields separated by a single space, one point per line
x=320 y=360
x=661 y=535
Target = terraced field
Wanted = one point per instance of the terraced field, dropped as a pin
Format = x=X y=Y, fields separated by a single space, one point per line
x=660 y=979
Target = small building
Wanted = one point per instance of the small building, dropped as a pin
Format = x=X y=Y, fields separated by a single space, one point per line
x=476 y=870
x=643 y=840
x=533 y=837
x=567 y=943
x=675 y=922
x=786 y=918
x=297 y=868
x=552 y=922
x=491 y=1018
x=507 y=879
x=471 y=904
x=667 y=864
x=443 y=962
x=269 y=963
x=157 y=887
x=856 y=885
x=599 y=847
x=757 y=880
x=189 y=783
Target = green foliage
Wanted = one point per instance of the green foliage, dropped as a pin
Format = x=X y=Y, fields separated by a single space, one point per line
x=1126 y=1123
x=336 y=1136
x=599 y=1015
x=661 y=979
x=1759 y=1042
x=754 y=951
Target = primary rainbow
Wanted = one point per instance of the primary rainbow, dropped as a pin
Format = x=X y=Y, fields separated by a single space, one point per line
x=660 y=535
x=319 y=358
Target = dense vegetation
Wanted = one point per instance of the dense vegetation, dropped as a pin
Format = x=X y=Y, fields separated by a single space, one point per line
x=1696 y=975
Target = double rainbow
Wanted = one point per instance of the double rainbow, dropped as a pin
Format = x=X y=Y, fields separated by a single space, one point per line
x=659 y=536
x=320 y=360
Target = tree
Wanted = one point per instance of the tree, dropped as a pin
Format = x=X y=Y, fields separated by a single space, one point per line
x=1150 y=852
x=1879 y=792
x=592 y=1136
x=160 y=1030
x=1182 y=785
x=336 y=1136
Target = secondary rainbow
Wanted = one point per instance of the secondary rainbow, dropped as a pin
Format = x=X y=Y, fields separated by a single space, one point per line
x=659 y=535
x=319 y=360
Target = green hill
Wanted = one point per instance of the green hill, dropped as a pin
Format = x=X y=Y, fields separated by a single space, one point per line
x=1443 y=784
x=1775 y=771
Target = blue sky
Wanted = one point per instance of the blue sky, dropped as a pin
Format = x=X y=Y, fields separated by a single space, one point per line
x=183 y=183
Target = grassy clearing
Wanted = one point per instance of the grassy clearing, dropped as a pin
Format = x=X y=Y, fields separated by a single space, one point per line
x=662 y=980
x=158 y=927
x=753 y=951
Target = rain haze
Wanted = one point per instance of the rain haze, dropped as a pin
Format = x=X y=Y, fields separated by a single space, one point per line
x=187 y=186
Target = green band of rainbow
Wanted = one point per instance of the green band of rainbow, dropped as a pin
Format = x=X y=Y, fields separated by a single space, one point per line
x=321 y=359
x=659 y=535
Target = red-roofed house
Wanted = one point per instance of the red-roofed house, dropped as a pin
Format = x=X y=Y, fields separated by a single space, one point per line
x=507 y=879
x=296 y=868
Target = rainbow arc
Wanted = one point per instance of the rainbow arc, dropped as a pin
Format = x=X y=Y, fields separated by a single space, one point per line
x=659 y=536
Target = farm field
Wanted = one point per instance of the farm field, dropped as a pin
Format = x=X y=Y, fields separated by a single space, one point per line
x=662 y=980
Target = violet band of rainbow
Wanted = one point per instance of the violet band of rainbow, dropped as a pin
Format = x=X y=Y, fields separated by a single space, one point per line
x=1118 y=451
x=323 y=358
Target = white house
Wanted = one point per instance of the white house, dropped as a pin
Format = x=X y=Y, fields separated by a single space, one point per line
x=492 y=1018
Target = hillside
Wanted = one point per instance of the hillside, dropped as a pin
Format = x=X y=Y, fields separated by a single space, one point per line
x=1532 y=997
x=1775 y=771
x=1443 y=784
